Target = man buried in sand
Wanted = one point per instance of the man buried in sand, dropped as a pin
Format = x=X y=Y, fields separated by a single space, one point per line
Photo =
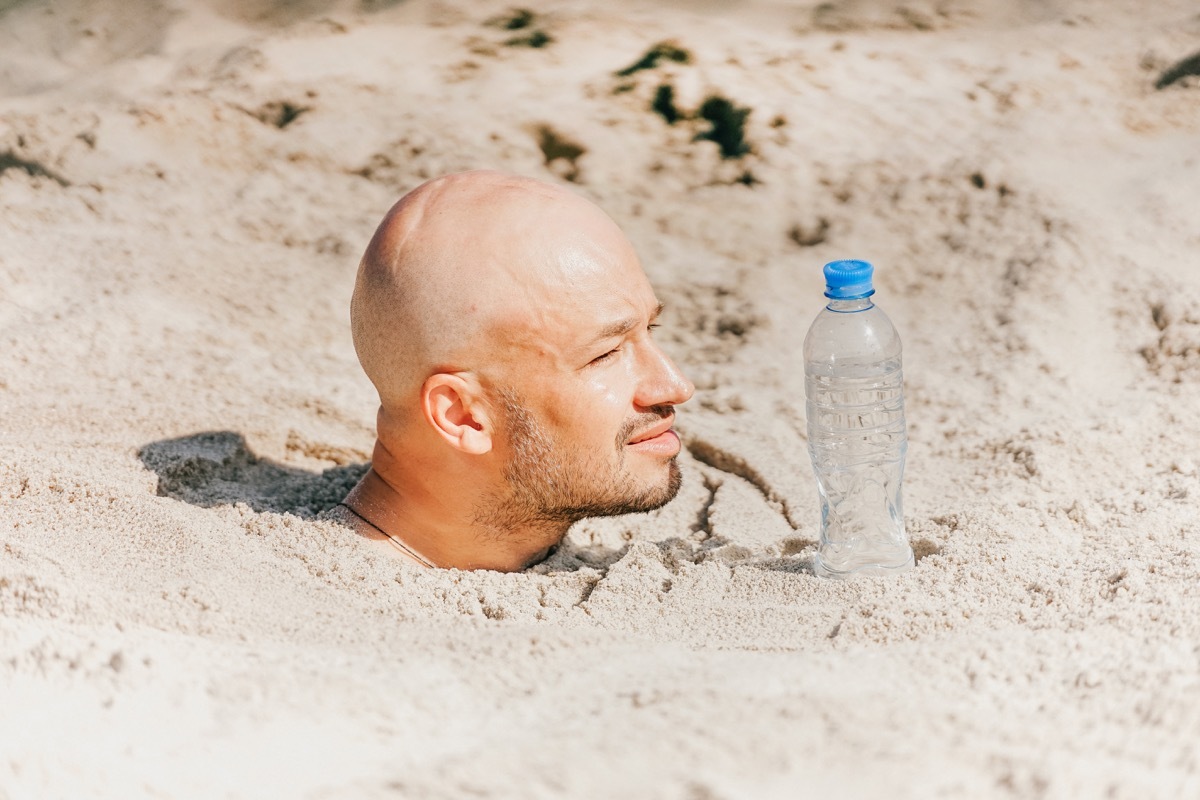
x=506 y=324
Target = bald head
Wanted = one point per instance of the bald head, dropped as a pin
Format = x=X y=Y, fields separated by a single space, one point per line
x=460 y=265
x=507 y=324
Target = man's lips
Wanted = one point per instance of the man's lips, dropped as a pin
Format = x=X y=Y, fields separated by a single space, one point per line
x=655 y=432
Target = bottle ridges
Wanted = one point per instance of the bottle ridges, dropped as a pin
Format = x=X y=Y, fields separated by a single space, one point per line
x=856 y=413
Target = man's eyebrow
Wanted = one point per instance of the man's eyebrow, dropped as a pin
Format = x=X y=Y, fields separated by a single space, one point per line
x=624 y=326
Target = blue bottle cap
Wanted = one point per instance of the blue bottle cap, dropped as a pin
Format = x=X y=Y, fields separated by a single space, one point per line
x=848 y=280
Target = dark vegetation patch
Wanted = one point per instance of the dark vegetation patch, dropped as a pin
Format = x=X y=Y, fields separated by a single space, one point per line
x=10 y=160
x=536 y=39
x=979 y=182
x=747 y=178
x=556 y=147
x=516 y=20
x=668 y=51
x=726 y=121
x=524 y=20
x=279 y=113
x=1188 y=67
x=728 y=126
x=664 y=103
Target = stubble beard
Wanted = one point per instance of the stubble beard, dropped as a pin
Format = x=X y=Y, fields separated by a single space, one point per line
x=551 y=486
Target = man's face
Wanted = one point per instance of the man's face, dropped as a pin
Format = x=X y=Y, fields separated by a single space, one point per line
x=555 y=480
x=587 y=416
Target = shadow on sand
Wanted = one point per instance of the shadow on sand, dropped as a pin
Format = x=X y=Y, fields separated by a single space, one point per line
x=216 y=468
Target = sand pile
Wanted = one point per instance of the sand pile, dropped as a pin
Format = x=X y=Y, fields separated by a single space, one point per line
x=185 y=190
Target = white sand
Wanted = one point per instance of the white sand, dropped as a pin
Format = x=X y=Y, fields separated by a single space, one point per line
x=174 y=620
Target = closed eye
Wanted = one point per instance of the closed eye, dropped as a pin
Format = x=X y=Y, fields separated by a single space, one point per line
x=605 y=357
x=622 y=329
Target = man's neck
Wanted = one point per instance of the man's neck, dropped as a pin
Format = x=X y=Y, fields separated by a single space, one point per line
x=438 y=525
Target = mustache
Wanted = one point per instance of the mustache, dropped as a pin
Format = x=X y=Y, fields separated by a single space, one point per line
x=633 y=425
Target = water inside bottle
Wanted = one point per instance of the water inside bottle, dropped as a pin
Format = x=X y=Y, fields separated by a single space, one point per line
x=858 y=442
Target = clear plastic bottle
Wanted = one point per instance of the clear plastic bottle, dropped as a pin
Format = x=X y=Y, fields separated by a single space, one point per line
x=856 y=433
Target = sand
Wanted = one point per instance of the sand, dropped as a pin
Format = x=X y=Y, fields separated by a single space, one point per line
x=185 y=190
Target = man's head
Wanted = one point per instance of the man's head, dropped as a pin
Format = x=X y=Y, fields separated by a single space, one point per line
x=506 y=325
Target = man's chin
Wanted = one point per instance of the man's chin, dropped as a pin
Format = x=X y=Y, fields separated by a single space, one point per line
x=674 y=480
x=661 y=494
x=638 y=496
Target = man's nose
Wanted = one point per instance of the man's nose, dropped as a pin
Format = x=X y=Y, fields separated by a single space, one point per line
x=662 y=382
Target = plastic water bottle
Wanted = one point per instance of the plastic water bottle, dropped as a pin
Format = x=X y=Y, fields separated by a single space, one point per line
x=856 y=433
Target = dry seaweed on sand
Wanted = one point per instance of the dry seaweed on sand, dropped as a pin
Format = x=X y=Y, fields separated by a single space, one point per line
x=668 y=51
x=728 y=126
x=1188 y=67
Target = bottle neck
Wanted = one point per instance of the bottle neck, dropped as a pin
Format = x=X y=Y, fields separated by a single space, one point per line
x=850 y=306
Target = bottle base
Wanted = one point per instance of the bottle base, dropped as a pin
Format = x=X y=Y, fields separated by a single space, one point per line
x=864 y=566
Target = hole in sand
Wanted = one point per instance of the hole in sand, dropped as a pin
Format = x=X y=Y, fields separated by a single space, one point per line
x=925 y=547
x=794 y=545
x=810 y=235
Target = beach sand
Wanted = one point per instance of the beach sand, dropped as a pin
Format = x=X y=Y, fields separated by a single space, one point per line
x=185 y=191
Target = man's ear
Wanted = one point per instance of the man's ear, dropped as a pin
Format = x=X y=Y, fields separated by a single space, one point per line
x=454 y=408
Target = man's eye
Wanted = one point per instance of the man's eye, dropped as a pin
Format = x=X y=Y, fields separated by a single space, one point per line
x=606 y=356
